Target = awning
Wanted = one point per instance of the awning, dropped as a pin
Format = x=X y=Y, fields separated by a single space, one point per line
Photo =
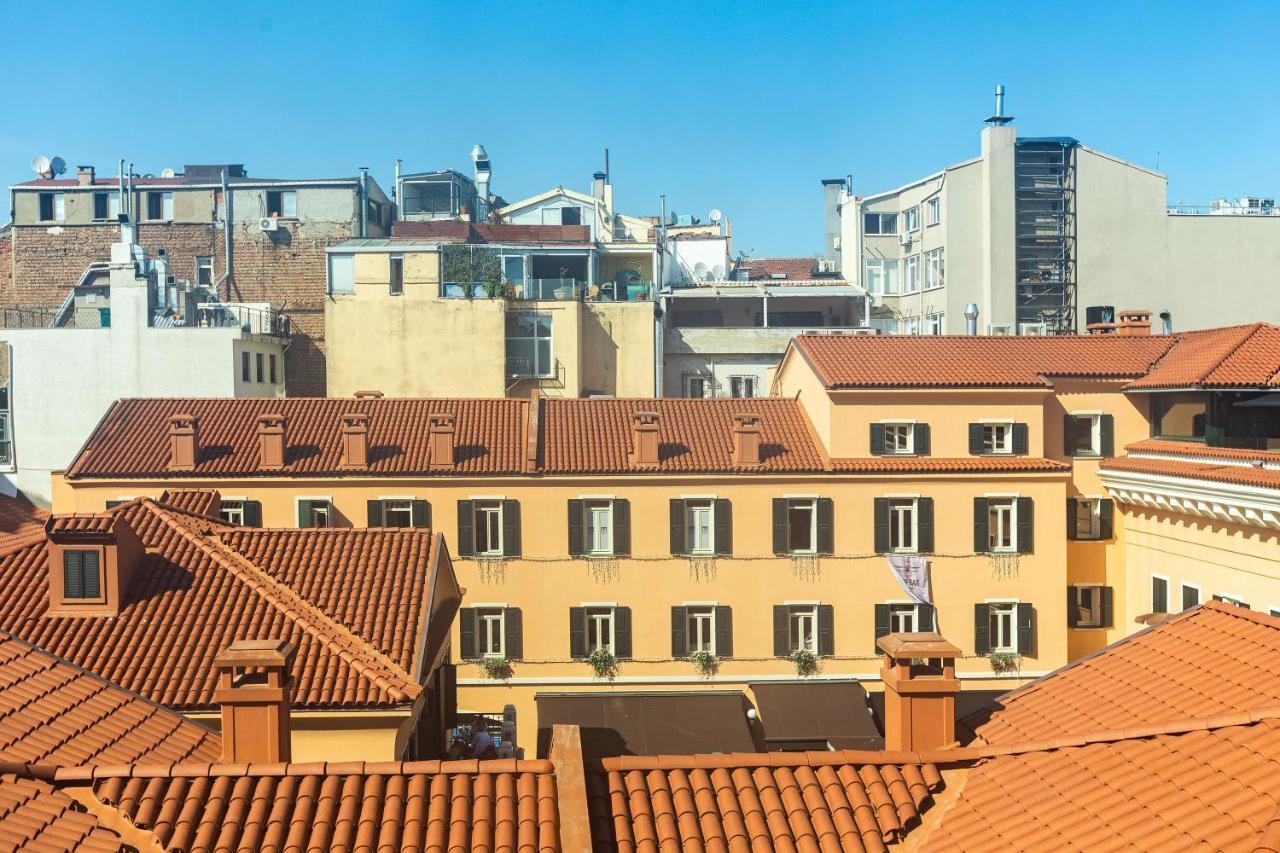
x=1266 y=401
x=816 y=715
x=650 y=722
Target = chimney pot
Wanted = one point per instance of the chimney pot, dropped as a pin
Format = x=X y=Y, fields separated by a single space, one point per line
x=84 y=176
x=644 y=439
x=1135 y=322
x=368 y=395
x=746 y=440
x=271 y=442
x=184 y=442
x=1101 y=328
x=254 y=685
x=919 y=699
x=355 y=440
x=440 y=448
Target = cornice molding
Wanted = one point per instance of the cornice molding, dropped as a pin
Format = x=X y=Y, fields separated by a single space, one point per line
x=1253 y=506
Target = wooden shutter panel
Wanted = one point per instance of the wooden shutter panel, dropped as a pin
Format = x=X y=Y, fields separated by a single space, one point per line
x=881 y=525
x=1108 y=606
x=882 y=625
x=679 y=623
x=826 y=630
x=724 y=527
x=420 y=514
x=926 y=618
x=467 y=633
x=91 y=575
x=975 y=439
x=1071 y=518
x=306 y=514
x=1073 y=613
x=577 y=632
x=374 y=514
x=924 y=525
x=780 y=526
x=877 y=439
x=511 y=528
x=466 y=533
x=1026 y=633
x=920 y=441
x=780 y=631
x=826 y=526
x=1068 y=435
x=1106 y=518
x=724 y=631
x=576 y=522
x=981 y=644
x=622 y=632
x=622 y=527
x=677 y=527
x=73 y=574
x=1020 y=438
x=513 y=633
x=981 y=537
x=1106 y=435
x=252 y=513
x=1026 y=525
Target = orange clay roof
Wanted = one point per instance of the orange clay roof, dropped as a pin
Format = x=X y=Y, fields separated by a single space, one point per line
x=54 y=712
x=133 y=437
x=1199 y=450
x=1267 y=478
x=773 y=801
x=594 y=435
x=36 y=816
x=1213 y=659
x=944 y=465
x=20 y=517
x=353 y=601
x=197 y=501
x=1235 y=356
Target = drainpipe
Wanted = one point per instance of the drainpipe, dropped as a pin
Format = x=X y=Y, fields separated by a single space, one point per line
x=395 y=195
x=122 y=203
x=226 y=232
x=364 y=201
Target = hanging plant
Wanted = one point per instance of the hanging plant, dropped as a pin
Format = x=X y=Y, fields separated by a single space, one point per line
x=497 y=669
x=603 y=664
x=705 y=663
x=1003 y=662
x=805 y=662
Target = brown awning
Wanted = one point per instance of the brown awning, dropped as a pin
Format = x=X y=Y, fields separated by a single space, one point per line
x=816 y=715
x=649 y=723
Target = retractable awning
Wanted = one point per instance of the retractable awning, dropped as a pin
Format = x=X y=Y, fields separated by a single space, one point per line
x=808 y=714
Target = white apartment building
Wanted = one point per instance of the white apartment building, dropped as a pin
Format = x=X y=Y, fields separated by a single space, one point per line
x=1047 y=235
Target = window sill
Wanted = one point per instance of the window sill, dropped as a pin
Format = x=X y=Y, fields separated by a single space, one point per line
x=1087 y=628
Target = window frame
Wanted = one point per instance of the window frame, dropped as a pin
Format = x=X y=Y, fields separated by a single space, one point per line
x=395 y=274
x=801 y=504
x=313 y=506
x=57 y=207
x=990 y=447
x=396 y=504
x=110 y=199
x=881 y=217
x=280 y=206
x=485 y=617
x=797 y=614
x=933 y=324
x=1095 y=609
x=932 y=211
x=204 y=262
x=751 y=381
x=229 y=508
x=998 y=610
x=259 y=363
x=246 y=366
x=1152 y=588
x=1094 y=533
x=692 y=508
x=536 y=370
x=999 y=506
x=702 y=614
x=271 y=369
x=594 y=616
x=896 y=505
x=1182 y=590
x=911 y=274
x=346 y=260
x=934 y=269
x=165 y=205
x=911 y=218
x=487 y=508
x=1095 y=435
x=901 y=613
x=707 y=386
x=909 y=445
x=589 y=507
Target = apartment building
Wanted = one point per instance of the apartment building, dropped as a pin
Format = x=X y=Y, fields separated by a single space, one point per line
x=1046 y=235
x=246 y=239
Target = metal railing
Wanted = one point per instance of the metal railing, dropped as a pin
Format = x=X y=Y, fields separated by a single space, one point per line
x=221 y=315
x=553 y=290
x=66 y=317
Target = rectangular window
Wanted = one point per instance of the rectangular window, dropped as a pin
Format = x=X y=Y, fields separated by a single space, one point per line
x=81 y=575
x=160 y=206
x=933 y=211
x=6 y=446
x=700 y=629
x=934 y=269
x=933 y=324
x=1190 y=596
x=911 y=218
x=342 y=273
x=204 y=271
x=106 y=206
x=528 y=344
x=53 y=207
x=397 y=275
x=571 y=215
x=513 y=269
x=1002 y=527
x=802 y=628
x=899 y=439
x=314 y=513
x=600 y=629
x=282 y=203
x=1087 y=604
x=1084 y=435
x=913 y=274
x=699 y=526
x=599 y=526
x=902 y=525
x=1002 y=631
x=491 y=632
x=881 y=276
x=271 y=364
x=232 y=512
x=488 y=528
x=1159 y=595
x=397 y=512
x=997 y=438
x=1087 y=518
x=903 y=618
x=880 y=223
x=245 y=374
x=742 y=386
x=802 y=526
x=259 y=362
x=697 y=385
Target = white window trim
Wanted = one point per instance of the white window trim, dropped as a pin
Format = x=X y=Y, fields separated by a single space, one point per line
x=915 y=524
x=1230 y=595
x=813 y=525
x=586 y=527
x=502 y=523
x=396 y=498
x=930 y=203
x=1097 y=586
x=501 y=618
x=1095 y=534
x=993 y=649
x=905 y=602
x=1013 y=522
x=911 y=437
x=892 y=421
x=487 y=497
x=481 y=605
x=688 y=515
x=1008 y=436
x=712 y=619
x=597 y=497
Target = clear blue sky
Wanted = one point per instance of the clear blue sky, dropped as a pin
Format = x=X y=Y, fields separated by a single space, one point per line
x=743 y=106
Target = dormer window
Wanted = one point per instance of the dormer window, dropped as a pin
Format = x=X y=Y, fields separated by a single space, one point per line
x=82 y=574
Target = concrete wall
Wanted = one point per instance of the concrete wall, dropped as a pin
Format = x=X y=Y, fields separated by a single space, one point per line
x=1224 y=270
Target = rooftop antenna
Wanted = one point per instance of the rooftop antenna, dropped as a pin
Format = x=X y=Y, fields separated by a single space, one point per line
x=999 y=118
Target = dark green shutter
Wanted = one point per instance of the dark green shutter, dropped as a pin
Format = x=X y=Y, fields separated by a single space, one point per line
x=1071 y=517
x=826 y=630
x=577 y=632
x=679 y=630
x=1106 y=518
x=420 y=513
x=882 y=625
x=780 y=526
x=924 y=525
x=511 y=528
x=724 y=631
x=576 y=523
x=306 y=515
x=375 y=514
x=826 y=526
x=622 y=527
x=92 y=575
x=1108 y=606
x=622 y=632
x=467 y=634
x=1068 y=435
x=1020 y=438
x=780 y=644
x=981 y=643
x=1026 y=525
x=466 y=532
x=920 y=442
x=975 y=439
x=724 y=527
x=1160 y=595
x=1026 y=629
x=73 y=574
x=513 y=633
x=877 y=439
x=1190 y=596
x=1073 y=612
x=677 y=527
x=981 y=536
x=926 y=619
x=1106 y=435
x=881 y=525
x=252 y=513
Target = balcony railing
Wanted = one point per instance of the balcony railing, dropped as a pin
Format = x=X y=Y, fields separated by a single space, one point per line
x=210 y=315
x=553 y=290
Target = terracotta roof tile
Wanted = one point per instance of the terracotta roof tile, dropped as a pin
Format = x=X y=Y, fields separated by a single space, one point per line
x=792 y=269
x=198 y=501
x=943 y=465
x=1200 y=450
x=1234 y=356
x=132 y=440
x=19 y=517
x=35 y=815
x=1267 y=478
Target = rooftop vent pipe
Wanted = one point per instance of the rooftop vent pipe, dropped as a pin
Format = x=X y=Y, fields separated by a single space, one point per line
x=971 y=319
x=1166 y=322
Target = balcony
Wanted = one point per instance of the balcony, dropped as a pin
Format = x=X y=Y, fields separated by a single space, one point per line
x=738 y=339
x=551 y=290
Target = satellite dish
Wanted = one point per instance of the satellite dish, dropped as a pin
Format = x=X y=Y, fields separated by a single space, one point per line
x=57 y=165
x=717 y=272
x=40 y=165
x=715 y=215
x=166 y=173
x=700 y=270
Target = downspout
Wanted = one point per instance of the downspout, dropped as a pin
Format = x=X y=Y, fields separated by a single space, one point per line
x=229 y=275
x=364 y=201
x=395 y=195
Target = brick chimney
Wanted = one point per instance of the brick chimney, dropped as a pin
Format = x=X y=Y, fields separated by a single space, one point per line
x=644 y=439
x=254 y=686
x=919 y=698
x=355 y=440
x=84 y=176
x=1101 y=328
x=271 y=442
x=1134 y=322
x=91 y=559
x=746 y=440
x=441 y=441
x=184 y=442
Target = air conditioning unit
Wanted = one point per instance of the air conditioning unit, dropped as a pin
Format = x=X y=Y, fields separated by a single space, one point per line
x=268 y=223
x=904 y=239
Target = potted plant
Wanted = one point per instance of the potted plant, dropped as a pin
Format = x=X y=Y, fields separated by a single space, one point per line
x=705 y=663
x=497 y=669
x=805 y=662
x=603 y=664
x=564 y=290
x=1002 y=662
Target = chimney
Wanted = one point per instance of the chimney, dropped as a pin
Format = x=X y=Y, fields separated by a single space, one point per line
x=1135 y=322
x=971 y=319
x=91 y=559
x=84 y=176
x=1101 y=328
x=1166 y=322
x=919 y=697
x=355 y=440
x=254 y=686
x=440 y=446
x=368 y=395
x=746 y=440
x=644 y=439
x=597 y=186
x=184 y=442
x=271 y=441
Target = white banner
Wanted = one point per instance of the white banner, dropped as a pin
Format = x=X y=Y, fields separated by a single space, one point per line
x=912 y=573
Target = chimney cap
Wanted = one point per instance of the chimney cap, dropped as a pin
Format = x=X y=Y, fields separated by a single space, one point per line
x=441 y=419
x=256 y=653
x=645 y=417
x=920 y=644
x=350 y=419
x=746 y=419
x=181 y=419
x=270 y=419
x=368 y=394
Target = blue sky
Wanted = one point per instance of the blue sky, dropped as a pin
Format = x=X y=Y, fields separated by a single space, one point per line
x=742 y=106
